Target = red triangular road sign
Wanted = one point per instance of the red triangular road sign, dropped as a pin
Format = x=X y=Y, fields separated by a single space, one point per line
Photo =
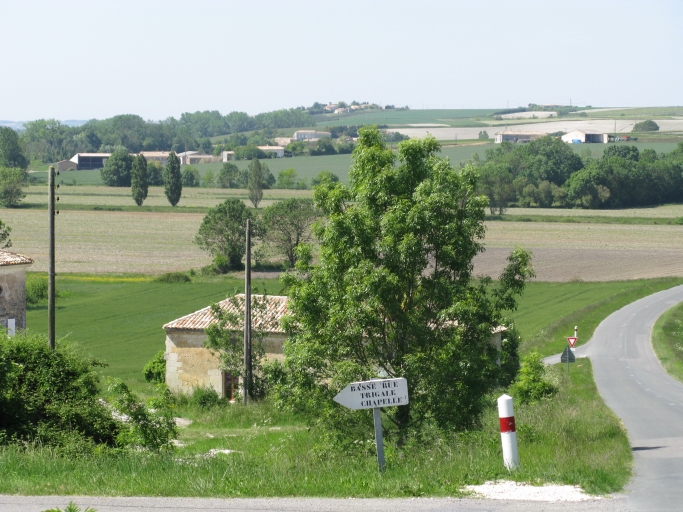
x=572 y=341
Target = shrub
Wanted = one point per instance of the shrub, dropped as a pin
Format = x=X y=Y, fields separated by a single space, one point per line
x=205 y=398
x=11 y=182
x=51 y=396
x=190 y=177
x=143 y=428
x=645 y=126
x=531 y=384
x=155 y=369
x=36 y=289
x=172 y=277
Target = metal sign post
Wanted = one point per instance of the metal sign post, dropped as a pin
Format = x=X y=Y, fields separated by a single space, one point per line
x=374 y=394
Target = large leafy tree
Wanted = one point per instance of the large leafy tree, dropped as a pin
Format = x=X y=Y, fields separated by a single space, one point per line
x=139 y=182
x=173 y=186
x=223 y=231
x=287 y=224
x=116 y=170
x=11 y=151
x=393 y=293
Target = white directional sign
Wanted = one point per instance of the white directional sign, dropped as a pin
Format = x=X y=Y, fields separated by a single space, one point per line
x=372 y=394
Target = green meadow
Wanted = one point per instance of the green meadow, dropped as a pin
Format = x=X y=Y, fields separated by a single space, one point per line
x=119 y=318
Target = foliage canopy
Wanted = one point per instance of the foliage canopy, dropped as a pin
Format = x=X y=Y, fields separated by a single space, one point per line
x=393 y=294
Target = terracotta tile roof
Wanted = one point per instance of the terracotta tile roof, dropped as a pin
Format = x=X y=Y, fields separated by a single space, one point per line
x=268 y=320
x=10 y=258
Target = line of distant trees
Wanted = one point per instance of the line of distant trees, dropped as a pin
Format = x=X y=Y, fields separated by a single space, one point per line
x=548 y=173
x=48 y=140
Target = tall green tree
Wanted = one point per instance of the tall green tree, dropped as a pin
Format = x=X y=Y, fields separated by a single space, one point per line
x=393 y=294
x=139 y=183
x=116 y=170
x=287 y=224
x=11 y=150
x=173 y=185
x=256 y=182
x=223 y=231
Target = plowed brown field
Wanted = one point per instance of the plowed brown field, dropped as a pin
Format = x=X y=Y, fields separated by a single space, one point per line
x=103 y=241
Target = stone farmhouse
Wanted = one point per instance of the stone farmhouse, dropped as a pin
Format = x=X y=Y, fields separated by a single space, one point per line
x=13 y=290
x=190 y=365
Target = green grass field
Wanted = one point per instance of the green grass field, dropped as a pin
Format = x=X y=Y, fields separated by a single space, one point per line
x=548 y=312
x=667 y=341
x=572 y=439
x=119 y=318
x=130 y=311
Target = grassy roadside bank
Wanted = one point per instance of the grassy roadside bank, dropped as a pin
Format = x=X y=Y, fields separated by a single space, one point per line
x=667 y=341
x=549 y=311
x=572 y=439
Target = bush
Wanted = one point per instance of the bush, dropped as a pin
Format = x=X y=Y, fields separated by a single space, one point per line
x=11 y=182
x=51 y=397
x=531 y=384
x=205 y=398
x=190 y=177
x=155 y=369
x=143 y=428
x=36 y=289
x=172 y=277
x=645 y=126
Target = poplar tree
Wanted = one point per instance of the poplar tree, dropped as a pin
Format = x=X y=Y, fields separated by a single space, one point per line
x=256 y=182
x=138 y=179
x=173 y=185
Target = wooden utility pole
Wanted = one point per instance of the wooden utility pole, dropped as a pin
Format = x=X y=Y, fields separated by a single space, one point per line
x=51 y=256
x=246 y=381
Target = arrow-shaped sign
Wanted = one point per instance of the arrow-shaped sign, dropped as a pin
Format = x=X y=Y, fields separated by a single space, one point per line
x=572 y=341
x=372 y=394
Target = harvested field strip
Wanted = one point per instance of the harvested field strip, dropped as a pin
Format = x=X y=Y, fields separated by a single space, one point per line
x=653 y=221
x=95 y=242
x=583 y=236
x=666 y=211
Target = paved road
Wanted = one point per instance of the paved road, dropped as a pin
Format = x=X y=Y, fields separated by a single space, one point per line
x=629 y=378
x=649 y=402
x=40 y=503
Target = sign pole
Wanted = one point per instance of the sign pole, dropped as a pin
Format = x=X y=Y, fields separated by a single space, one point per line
x=379 y=439
x=375 y=394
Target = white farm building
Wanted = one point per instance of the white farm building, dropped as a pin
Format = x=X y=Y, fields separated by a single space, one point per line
x=582 y=137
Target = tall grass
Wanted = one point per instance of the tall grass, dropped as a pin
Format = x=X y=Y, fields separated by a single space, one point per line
x=571 y=439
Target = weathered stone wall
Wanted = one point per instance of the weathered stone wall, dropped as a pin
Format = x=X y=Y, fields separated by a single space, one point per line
x=189 y=365
x=13 y=295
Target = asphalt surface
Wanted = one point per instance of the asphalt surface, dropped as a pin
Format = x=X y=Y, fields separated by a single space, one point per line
x=630 y=379
x=649 y=402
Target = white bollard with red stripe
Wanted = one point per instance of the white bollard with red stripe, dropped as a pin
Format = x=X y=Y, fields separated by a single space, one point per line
x=508 y=433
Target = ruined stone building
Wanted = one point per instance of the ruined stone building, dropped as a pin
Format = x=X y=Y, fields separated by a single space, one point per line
x=13 y=289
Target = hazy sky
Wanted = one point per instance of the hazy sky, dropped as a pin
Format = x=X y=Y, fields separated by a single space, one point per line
x=83 y=59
